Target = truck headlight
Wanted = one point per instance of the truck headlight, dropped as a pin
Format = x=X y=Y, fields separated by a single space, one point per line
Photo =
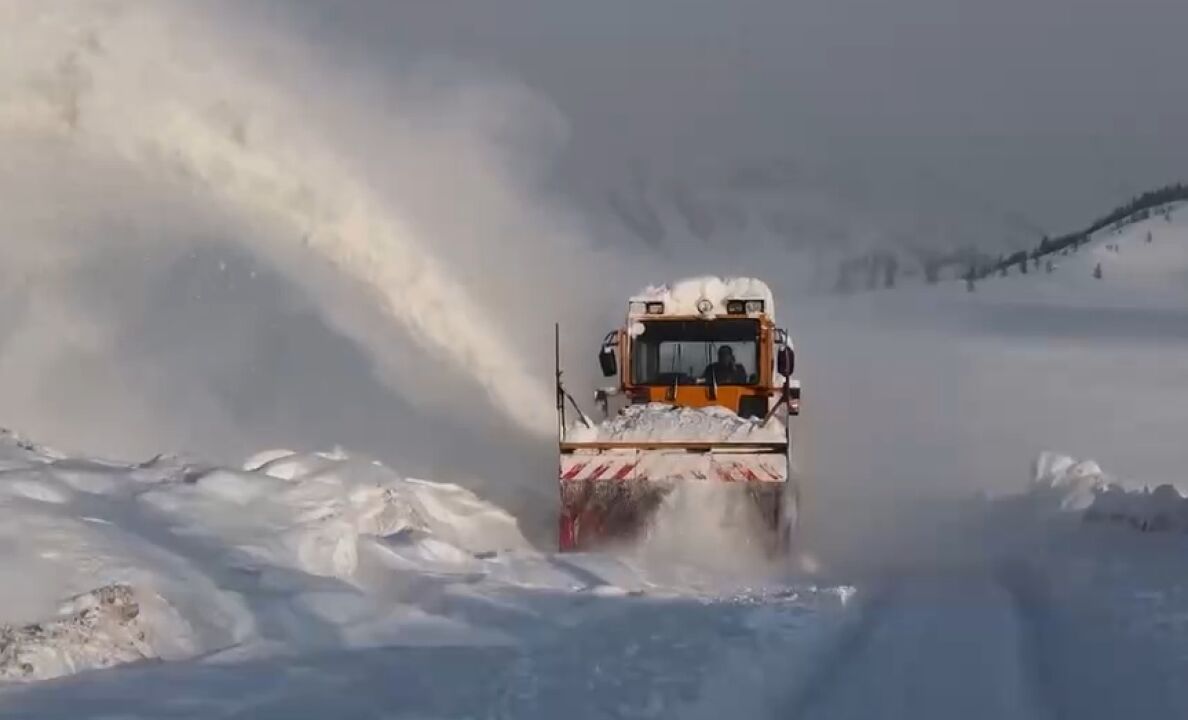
x=637 y=308
x=704 y=306
x=754 y=306
x=655 y=308
x=735 y=307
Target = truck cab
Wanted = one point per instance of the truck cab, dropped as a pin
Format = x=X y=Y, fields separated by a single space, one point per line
x=724 y=351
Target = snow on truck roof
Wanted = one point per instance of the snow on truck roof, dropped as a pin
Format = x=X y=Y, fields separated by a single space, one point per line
x=683 y=296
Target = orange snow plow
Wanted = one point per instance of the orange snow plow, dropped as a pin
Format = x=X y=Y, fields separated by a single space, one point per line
x=704 y=395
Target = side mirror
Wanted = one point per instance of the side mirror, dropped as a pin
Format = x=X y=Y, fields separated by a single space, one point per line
x=785 y=361
x=608 y=363
x=606 y=356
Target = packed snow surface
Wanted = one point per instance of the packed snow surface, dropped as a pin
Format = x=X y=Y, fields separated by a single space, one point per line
x=658 y=422
x=682 y=296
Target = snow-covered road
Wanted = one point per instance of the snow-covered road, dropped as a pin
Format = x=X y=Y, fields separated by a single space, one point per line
x=931 y=645
x=1070 y=631
x=586 y=656
x=1053 y=616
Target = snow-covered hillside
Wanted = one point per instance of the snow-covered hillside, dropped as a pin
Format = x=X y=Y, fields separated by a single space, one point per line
x=1019 y=365
x=1143 y=263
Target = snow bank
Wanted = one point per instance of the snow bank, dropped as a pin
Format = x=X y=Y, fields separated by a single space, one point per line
x=310 y=512
x=657 y=422
x=171 y=559
x=1082 y=487
x=681 y=297
x=298 y=549
x=97 y=629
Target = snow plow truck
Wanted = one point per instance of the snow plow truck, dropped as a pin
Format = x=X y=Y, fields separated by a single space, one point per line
x=704 y=394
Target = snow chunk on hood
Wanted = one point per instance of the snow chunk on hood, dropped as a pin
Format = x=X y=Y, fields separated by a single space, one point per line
x=681 y=297
x=657 y=422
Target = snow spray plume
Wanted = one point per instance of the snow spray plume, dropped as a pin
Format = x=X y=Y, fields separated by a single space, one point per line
x=397 y=195
x=707 y=532
x=423 y=189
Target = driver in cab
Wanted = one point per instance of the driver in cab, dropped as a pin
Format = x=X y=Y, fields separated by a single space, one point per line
x=726 y=371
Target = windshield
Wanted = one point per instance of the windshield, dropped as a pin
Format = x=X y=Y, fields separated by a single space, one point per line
x=688 y=352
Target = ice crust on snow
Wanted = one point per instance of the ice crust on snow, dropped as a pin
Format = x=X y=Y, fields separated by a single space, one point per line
x=658 y=422
x=1082 y=487
x=681 y=297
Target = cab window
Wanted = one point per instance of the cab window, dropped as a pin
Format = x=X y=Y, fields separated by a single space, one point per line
x=681 y=352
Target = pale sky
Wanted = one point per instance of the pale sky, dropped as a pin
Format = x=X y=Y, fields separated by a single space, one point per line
x=1019 y=112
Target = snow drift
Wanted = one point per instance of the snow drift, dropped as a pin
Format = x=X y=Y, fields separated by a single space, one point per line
x=171 y=558
x=1083 y=487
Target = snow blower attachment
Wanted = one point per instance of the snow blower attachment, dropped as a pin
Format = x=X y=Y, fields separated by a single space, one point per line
x=704 y=394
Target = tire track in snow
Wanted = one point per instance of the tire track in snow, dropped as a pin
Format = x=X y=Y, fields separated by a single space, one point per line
x=1030 y=599
x=939 y=644
x=820 y=683
x=1096 y=654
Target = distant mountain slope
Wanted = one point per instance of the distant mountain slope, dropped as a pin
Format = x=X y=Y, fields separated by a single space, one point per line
x=1140 y=260
x=852 y=238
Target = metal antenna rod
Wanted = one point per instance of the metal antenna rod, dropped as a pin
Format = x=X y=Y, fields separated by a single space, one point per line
x=560 y=391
